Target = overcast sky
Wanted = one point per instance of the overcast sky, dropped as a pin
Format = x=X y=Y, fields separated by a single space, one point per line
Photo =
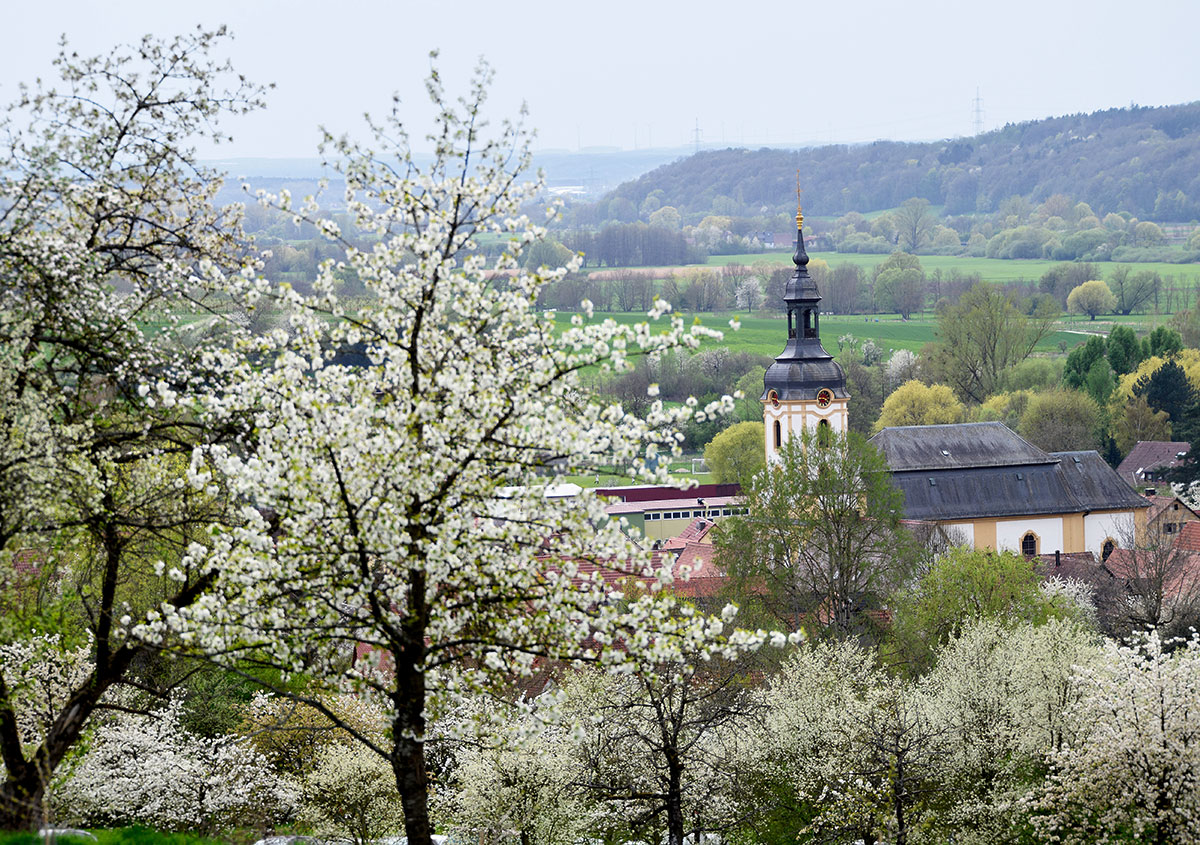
x=643 y=73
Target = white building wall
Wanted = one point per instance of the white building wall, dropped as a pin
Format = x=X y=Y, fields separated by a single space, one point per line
x=1048 y=530
x=961 y=533
x=794 y=416
x=1098 y=527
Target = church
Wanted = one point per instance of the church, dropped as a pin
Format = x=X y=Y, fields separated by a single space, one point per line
x=983 y=484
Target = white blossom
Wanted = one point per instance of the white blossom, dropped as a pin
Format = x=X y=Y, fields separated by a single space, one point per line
x=148 y=769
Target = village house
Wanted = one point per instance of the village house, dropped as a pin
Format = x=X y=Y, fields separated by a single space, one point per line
x=1149 y=461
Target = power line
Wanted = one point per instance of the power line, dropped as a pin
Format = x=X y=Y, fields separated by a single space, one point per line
x=977 y=104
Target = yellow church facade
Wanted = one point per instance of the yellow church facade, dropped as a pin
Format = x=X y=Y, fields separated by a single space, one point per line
x=989 y=488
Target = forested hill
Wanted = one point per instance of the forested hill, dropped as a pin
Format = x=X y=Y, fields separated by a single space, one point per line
x=1145 y=161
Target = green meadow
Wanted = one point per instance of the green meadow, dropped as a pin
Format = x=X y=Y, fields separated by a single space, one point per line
x=766 y=335
x=991 y=269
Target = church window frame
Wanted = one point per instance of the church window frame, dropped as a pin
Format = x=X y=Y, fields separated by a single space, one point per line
x=1030 y=543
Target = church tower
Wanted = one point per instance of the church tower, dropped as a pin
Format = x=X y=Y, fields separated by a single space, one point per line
x=804 y=387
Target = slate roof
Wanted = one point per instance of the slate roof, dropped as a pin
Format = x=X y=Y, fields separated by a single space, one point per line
x=956 y=446
x=1149 y=455
x=1095 y=484
x=984 y=470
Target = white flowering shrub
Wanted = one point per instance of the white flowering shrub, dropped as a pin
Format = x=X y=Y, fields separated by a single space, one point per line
x=522 y=786
x=149 y=770
x=850 y=751
x=653 y=751
x=1132 y=771
x=901 y=367
x=1075 y=597
x=351 y=792
x=872 y=353
x=1003 y=694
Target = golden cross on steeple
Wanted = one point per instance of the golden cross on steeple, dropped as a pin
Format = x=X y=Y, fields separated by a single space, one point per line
x=799 y=212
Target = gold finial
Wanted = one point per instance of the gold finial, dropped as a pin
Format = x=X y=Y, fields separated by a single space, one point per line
x=799 y=212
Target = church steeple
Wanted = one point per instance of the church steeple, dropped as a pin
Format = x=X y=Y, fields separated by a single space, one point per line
x=804 y=387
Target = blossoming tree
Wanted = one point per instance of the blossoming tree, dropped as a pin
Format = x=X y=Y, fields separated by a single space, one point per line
x=107 y=229
x=399 y=481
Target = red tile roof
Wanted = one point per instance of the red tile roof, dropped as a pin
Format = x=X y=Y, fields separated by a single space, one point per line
x=1179 y=568
x=1188 y=539
x=696 y=572
x=696 y=532
x=657 y=493
x=28 y=561
x=1082 y=566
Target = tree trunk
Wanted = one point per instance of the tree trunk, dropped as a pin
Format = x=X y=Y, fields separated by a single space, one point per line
x=408 y=765
x=674 y=801
x=24 y=788
x=901 y=822
x=408 y=725
x=21 y=798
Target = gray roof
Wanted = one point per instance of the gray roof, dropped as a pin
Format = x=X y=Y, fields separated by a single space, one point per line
x=1151 y=455
x=1096 y=485
x=956 y=446
x=991 y=472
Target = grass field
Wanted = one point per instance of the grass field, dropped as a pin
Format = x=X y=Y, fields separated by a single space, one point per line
x=991 y=269
x=766 y=335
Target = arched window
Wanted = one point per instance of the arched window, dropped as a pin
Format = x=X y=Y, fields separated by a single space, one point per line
x=1029 y=544
x=824 y=433
x=778 y=435
x=1107 y=549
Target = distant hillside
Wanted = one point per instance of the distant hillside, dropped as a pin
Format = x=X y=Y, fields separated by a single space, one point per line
x=589 y=173
x=1145 y=161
